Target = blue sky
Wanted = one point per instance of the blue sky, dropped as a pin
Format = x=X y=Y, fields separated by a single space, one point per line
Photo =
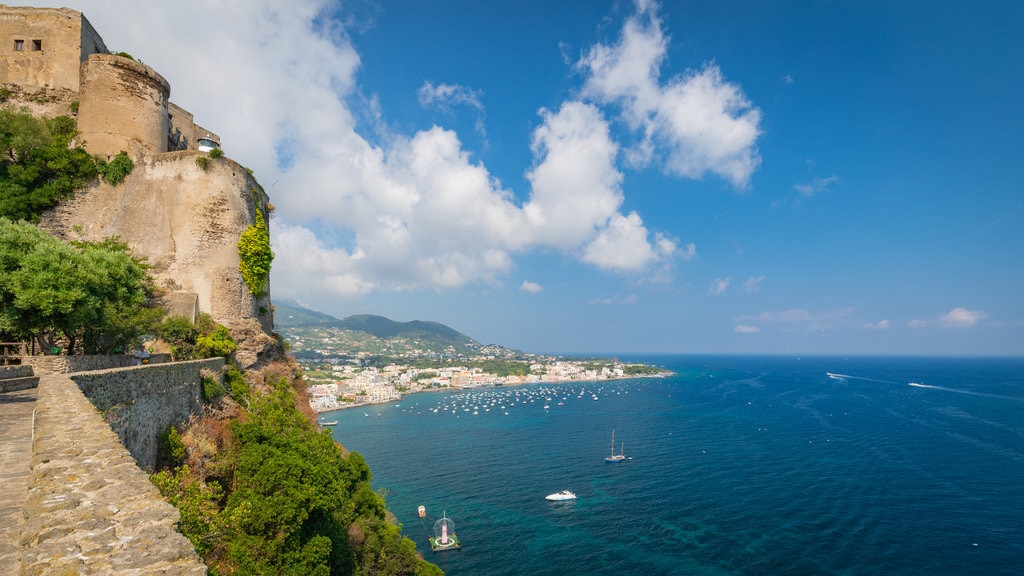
x=626 y=177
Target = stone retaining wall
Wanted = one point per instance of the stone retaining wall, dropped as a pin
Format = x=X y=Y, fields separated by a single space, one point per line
x=141 y=402
x=43 y=365
x=90 y=508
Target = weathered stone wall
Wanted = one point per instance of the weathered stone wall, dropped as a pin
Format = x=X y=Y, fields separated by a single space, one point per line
x=90 y=509
x=65 y=39
x=141 y=402
x=122 y=106
x=186 y=221
x=44 y=365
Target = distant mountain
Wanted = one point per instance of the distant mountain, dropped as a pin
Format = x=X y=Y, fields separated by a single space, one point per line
x=289 y=314
x=432 y=335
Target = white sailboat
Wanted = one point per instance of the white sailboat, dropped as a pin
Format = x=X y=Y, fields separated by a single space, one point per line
x=616 y=457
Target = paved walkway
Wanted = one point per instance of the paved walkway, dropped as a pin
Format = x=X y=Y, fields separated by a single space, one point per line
x=16 y=412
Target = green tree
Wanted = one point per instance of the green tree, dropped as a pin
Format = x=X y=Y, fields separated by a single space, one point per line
x=91 y=294
x=38 y=167
x=255 y=255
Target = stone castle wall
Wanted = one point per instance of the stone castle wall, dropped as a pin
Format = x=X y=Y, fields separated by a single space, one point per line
x=53 y=42
x=186 y=221
x=141 y=402
x=122 y=106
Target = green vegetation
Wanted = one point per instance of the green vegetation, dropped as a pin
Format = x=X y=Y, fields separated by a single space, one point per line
x=124 y=55
x=90 y=296
x=117 y=169
x=5 y=94
x=297 y=504
x=203 y=339
x=203 y=162
x=255 y=255
x=216 y=153
x=38 y=168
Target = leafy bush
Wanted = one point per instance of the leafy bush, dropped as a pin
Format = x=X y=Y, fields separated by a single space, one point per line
x=38 y=168
x=172 y=448
x=73 y=107
x=237 y=385
x=212 y=388
x=255 y=256
x=117 y=169
x=298 y=504
x=216 y=153
x=203 y=162
x=215 y=343
x=5 y=95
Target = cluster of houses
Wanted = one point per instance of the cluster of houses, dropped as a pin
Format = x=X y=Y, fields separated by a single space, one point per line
x=354 y=386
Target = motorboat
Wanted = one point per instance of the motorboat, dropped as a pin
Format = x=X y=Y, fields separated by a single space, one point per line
x=563 y=495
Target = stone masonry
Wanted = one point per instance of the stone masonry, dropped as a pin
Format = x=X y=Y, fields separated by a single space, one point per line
x=89 y=508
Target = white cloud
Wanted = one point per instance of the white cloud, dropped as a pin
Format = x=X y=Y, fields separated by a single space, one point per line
x=443 y=96
x=409 y=211
x=530 y=287
x=803 y=319
x=956 y=318
x=719 y=286
x=816 y=186
x=880 y=325
x=689 y=252
x=746 y=329
x=962 y=318
x=701 y=122
x=615 y=300
x=753 y=283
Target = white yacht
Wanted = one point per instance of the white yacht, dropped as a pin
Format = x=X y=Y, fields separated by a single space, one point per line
x=563 y=495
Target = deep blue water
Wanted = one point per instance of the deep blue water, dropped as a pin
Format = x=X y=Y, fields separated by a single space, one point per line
x=739 y=465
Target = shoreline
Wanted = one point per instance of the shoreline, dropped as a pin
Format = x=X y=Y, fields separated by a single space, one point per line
x=347 y=406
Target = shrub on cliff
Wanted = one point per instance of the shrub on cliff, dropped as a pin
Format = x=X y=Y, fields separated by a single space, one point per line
x=298 y=504
x=38 y=166
x=117 y=169
x=193 y=341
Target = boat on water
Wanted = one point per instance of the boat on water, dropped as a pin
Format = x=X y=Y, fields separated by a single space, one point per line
x=331 y=423
x=616 y=457
x=563 y=495
x=444 y=537
x=422 y=511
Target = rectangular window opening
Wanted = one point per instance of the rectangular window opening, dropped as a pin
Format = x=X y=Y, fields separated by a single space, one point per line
x=37 y=45
x=19 y=45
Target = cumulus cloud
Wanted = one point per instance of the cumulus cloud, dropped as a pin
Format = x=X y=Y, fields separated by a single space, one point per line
x=746 y=329
x=530 y=287
x=958 y=317
x=962 y=318
x=413 y=211
x=701 y=122
x=880 y=325
x=719 y=286
x=689 y=252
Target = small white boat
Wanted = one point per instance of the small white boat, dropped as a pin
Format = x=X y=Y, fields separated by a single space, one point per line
x=563 y=495
x=331 y=423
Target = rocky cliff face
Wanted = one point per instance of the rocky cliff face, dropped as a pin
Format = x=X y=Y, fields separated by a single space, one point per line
x=186 y=221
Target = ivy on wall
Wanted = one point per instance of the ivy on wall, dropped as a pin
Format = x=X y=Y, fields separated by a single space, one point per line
x=256 y=255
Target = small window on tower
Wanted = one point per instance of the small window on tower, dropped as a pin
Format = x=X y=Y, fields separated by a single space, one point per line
x=37 y=45
x=19 y=45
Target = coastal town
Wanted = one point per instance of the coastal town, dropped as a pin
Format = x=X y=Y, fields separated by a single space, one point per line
x=347 y=368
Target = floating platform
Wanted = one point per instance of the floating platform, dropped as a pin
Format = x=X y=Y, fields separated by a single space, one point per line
x=437 y=546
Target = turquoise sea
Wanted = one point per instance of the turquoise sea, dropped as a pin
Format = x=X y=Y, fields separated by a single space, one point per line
x=737 y=465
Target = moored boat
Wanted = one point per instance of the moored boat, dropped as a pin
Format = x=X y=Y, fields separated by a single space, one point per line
x=616 y=457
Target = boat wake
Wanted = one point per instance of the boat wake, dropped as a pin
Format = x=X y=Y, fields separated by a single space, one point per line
x=966 y=392
x=835 y=376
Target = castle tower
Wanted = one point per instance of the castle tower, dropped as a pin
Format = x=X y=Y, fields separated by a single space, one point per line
x=123 y=106
x=42 y=48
